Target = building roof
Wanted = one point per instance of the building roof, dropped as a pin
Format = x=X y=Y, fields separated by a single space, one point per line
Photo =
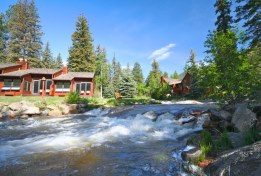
x=4 y=65
x=171 y=81
x=71 y=75
x=42 y=71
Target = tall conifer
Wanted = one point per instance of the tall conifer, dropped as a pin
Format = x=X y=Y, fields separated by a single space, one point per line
x=81 y=53
x=224 y=19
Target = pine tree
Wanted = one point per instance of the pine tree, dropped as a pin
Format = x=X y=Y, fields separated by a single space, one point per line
x=224 y=19
x=193 y=71
x=175 y=75
x=81 y=54
x=102 y=69
x=59 y=61
x=25 y=33
x=127 y=85
x=248 y=11
x=165 y=74
x=108 y=90
x=153 y=79
x=47 y=58
x=3 y=38
x=137 y=73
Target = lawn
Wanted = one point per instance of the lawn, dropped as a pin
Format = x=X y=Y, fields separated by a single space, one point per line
x=32 y=99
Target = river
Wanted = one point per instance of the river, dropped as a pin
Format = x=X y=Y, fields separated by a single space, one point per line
x=118 y=141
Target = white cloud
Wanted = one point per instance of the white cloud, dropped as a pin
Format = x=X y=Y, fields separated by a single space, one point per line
x=162 y=53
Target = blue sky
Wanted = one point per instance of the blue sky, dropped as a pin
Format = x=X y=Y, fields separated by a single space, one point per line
x=135 y=30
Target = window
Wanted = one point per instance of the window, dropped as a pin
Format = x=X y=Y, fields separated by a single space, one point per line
x=11 y=84
x=85 y=87
x=27 y=85
x=63 y=87
x=78 y=87
x=48 y=84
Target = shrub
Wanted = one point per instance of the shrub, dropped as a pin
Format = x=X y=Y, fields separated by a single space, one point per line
x=251 y=136
x=223 y=143
x=73 y=98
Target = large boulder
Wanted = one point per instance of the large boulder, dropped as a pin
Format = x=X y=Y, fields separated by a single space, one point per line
x=238 y=162
x=165 y=116
x=191 y=154
x=150 y=115
x=237 y=139
x=73 y=109
x=214 y=115
x=55 y=113
x=64 y=108
x=225 y=115
x=243 y=118
x=30 y=110
x=15 y=106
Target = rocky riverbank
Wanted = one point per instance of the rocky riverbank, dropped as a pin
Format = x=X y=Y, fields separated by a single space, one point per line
x=26 y=109
x=231 y=130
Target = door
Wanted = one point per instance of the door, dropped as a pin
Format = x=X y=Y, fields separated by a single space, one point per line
x=36 y=86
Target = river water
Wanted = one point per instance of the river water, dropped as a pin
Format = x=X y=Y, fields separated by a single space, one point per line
x=119 y=141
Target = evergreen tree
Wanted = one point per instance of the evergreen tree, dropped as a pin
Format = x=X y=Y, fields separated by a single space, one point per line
x=47 y=58
x=81 y=54
x=137 y=73
x=3 y=38
x=127 y=85
x=154 y=78
x=59 y=61
x=102 y=69
x=175 y=75
x=108 y=90
x=248 y=11
x=165 y=74
x=193 y=71
x=224 y=19
x=25 y=32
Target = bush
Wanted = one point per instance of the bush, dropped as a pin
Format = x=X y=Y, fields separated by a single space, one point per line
x=251 y=136
x=161 y=93
x=73 y=98
x=223 y=143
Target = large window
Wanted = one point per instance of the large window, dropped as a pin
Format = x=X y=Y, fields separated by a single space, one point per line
x=48 y=85
x=62 y=87
x=85 y=87
x=11 y=84
x=27 y=85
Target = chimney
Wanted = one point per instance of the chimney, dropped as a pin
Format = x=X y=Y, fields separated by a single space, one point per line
x=24 y=63
x=65 y=70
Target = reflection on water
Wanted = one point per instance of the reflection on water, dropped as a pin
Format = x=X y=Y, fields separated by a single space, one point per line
x=89 y=145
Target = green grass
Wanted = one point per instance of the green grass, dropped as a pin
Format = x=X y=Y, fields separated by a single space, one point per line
x=92 y=102
x=32 y=99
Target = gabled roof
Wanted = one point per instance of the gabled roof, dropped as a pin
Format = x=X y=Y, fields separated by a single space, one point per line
x=71 y=75
x=171 y=81
x=42 y=71
x=4 y=65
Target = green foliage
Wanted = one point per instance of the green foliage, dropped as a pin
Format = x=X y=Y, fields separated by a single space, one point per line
x=24 y=32
x=161 y=93
x=81 y=54
x=47 y=58
x=127 y=85
x=108 y=91
x=223 y=143
x=154 y=78
x=175 y=75
x=59 y=61
x=142 y=90
x=229 y=74
x=251 y=136
x=165 y=75
x=137 y=73
x=3 y=38
x=224 y=19
x=73 y=98
x=248 y=12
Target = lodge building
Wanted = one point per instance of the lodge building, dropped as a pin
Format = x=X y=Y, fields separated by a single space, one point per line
x=21 y=80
